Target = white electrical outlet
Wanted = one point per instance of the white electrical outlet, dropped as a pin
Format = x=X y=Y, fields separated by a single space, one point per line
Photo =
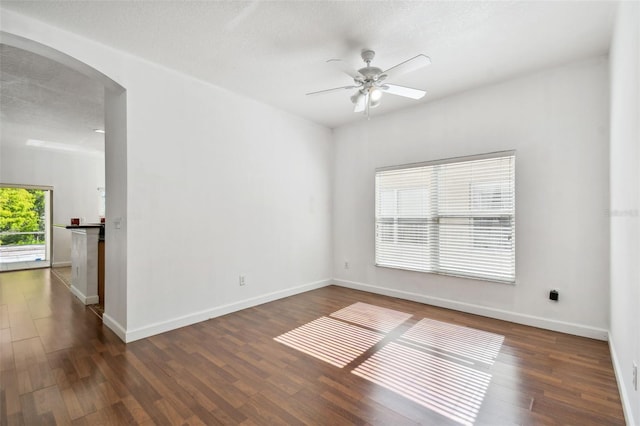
x=635 y=376
x=241 y=280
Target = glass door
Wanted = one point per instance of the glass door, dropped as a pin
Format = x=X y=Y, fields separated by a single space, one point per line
x=25 y=227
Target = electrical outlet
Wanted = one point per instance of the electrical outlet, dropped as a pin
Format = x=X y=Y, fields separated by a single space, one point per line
x=635 y=376
x=346 y=264
x=241 y=280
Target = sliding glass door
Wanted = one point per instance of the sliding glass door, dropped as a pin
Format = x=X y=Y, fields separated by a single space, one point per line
x=25 y=227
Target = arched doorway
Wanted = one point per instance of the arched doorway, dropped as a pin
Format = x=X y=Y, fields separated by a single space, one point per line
x=115 y=113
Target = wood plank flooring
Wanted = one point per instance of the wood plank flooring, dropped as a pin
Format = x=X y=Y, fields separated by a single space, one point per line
x=59 y=365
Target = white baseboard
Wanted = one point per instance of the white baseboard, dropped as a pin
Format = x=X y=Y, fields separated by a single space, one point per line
x=624 y=396
x=554 y=325
x=60 y=264
x=92 y=300
x=114 y=326
x=185 y=320
x=87 y=300
x=77 y=293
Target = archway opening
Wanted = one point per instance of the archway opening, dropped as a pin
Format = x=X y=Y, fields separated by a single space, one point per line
x=115 y=166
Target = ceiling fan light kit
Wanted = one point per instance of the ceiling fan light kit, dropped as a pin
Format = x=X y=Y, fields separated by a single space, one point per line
x=370 y=81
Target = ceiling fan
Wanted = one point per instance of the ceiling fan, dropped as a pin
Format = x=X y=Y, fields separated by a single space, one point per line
x=370 y=81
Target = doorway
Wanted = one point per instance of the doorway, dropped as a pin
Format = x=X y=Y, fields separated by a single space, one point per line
x=25 y=227
x=115 y=155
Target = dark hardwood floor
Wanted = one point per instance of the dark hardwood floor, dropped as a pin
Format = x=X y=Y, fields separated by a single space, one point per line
x=59 y=365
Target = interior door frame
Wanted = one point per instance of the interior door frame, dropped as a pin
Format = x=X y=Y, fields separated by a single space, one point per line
x=48 y=230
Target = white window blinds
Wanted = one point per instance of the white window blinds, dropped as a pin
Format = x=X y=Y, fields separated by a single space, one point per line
x=454 y=217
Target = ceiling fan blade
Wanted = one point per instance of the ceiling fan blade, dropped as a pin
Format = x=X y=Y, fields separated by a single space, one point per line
x=344 y=67
x=361 y=103
x=335 y=89
x=407 y=92
x=409 y=65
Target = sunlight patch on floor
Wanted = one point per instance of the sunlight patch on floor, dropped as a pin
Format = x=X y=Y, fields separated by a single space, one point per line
x=331 y=340
x=467 y=342
x=371 y=316
x=448 y=388
x=443 y=367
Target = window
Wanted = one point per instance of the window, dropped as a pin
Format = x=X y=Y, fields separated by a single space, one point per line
x=453 y=217
x=25 y=226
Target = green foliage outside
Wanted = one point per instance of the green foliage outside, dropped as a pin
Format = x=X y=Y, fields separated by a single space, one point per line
x=21 y=210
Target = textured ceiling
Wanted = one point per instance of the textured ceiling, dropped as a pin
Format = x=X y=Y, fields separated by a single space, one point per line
x=275 y=51
x=42 y=100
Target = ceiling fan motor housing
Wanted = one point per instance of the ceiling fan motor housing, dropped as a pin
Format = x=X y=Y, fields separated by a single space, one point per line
x=367 y=78
x=370 y=73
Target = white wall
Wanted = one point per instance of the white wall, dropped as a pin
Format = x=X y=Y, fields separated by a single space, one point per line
x=217 y=185
x=557 y=121
x=115 y=288
x=625 y=204
x=75 y=178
